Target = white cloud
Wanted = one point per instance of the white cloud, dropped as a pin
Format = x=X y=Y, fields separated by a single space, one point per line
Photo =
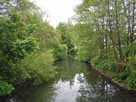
x=58 y=10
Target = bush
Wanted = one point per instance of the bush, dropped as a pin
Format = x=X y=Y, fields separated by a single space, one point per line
x=122 y=76
x=132 y=80
x=5 y=88
x=15 y=44
x=60 y=52
x=40 y=66
x=102 y=63
x=83 y=55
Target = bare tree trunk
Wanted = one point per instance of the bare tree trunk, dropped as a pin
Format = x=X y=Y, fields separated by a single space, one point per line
x=133 y=22
x=118 y=30
x=110 y=31
x=127 y=14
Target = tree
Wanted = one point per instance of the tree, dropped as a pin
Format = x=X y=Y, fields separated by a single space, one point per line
x=108 y=28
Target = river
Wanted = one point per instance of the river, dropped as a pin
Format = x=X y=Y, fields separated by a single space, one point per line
x=75 y=82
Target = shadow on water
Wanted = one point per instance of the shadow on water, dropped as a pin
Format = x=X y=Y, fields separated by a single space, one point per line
x=76 y=82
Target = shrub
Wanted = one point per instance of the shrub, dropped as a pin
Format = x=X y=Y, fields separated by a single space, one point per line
x=60 y=52
x=5 y=88
x=132 y=80
x=40 y=66
x=102 y=63
x=83 y=55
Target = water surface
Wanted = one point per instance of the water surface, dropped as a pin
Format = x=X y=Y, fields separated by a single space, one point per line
x=76 y=82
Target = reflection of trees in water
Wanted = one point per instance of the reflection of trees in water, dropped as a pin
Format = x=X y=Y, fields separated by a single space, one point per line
x=80 y=78
x=4 y=99
x=71 y=83
x=100 y=90
x=93 y=88
x=97 y=89
x=46 y=93
x=67 y=70
x=43 y=93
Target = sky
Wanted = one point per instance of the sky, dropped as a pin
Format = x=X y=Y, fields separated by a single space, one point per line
x=57 y=10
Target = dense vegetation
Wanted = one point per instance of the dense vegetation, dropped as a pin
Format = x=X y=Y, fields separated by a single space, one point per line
x=108 y=35
x=29 y=46
x=104 y=34
x=25 y=45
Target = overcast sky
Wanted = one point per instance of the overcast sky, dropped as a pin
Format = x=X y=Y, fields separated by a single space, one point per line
x=58 y=10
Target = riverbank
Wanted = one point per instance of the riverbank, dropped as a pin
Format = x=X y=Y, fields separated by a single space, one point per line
x=109 y=76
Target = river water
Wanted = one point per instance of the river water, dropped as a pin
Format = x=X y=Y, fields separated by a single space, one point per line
x=76 y=82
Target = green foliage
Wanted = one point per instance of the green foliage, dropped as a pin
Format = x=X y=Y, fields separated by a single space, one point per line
x=60 y=52
x=14 y=41
x=132 y=80
x=83 y=55
x=22 y=33
x=102 y=63
x=5 y=88
x=39 y=66
x=15 y=45
x=123 y=76
x=109 y=43
x=67 y=37
x=29 y=45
